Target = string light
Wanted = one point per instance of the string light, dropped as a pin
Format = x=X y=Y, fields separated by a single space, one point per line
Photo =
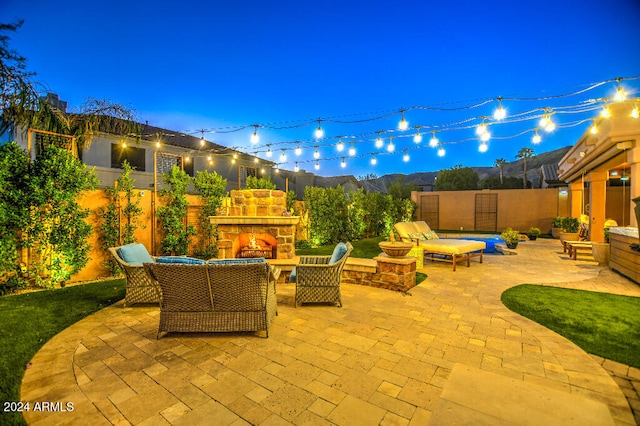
x=340 y=146
x=158 y=143
x=500 y=113
x=296 y=168
x=269 y=153
x=255 y=158
x=403 y=124
x=343 y=164
x=379 y=141
x=283 y=157
x=374 y=161
x=124 y=144
x=417 y=138
x=352 y=150
x=441 y=151
x=605 y=113
x=434 y=141
x=485 y=136
x=405 y=157
x=316 y=153
x=254 y=137
x=620 y=95
x=298 y=150
x=391 y=147
x=483 y=147
x=594 y=129
x=547 y=124
x=536 y=138
x=481 y=129
x=202 y=139
x=634 y=112
x=317 y=166
x=319 y=132
x=187 y=159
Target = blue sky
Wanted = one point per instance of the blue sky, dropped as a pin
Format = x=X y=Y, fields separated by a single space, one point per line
x=223 y=66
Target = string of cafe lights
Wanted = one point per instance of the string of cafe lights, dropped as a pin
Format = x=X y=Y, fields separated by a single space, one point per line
x=349 y=147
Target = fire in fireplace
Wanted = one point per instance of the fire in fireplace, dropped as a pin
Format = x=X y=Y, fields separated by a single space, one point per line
x=257 y=245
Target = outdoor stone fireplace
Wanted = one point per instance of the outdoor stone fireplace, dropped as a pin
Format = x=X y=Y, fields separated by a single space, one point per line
x=256 y=224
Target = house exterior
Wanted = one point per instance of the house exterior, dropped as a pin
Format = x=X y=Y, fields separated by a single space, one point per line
x=603 y=170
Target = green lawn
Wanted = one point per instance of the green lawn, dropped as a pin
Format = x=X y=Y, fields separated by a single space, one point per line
x=29 y=320
x=602 y=324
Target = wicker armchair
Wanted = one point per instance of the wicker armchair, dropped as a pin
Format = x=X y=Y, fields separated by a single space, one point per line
x=318 y=280
x=216 y=297
x=140 y=289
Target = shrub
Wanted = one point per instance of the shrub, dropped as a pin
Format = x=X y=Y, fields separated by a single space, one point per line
x=211 y=187
x=570 y=224
x=174 y=213
x=259 y=183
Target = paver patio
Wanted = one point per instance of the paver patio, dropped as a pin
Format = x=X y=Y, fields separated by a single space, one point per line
x=448 y=352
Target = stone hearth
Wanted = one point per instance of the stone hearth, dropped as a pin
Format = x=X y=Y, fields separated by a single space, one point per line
x=257 y=212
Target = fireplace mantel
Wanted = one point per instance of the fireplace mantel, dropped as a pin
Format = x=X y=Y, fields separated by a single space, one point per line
x=254 y=220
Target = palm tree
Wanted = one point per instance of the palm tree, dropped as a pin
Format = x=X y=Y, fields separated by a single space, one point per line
x=23 y=103
x=523 y=154
x=500 y=162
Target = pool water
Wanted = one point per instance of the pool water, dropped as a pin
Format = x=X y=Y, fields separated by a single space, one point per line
x=491 y=242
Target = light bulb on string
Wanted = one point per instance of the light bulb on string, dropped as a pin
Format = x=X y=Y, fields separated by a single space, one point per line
x=403 y=124
x=482 y=128
x=405 y=157
x=283 y=157
x=485 y=136
x=158 y=143
x=483 y=147
x=298 y=150
x=441 y=151
x=124 y=144
x=317 y=166
x=276 y=169
x=500 y=113
x=340 y=146
x=550 y=127
x=635 y=113
x=620 y=94
x=434 y=141
x=319 y=132
x=210 y=162
x=269 y=153
x=536 y=138
x=262 y=170
x=202 y=138
x=417 y=138
x=391 y=147
x=254 y=136
x=374 y=161
x=209 y=158
x=594 y=129
x=379 y=141
x=296 y=168
x=352 y=150
x=606 y=112
x=343 y=164
x=316 y=154
x=255 y=158
x=187 y=159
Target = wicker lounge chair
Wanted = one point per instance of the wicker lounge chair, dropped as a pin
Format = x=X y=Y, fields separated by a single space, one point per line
x=140 y=289
x=317 y=278
x=444 y=250
x=216 y=297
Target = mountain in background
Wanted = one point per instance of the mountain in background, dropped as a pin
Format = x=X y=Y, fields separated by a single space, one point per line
x=426 y=180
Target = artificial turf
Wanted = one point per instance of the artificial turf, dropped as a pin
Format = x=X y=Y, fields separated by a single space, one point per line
x=603 y=324
x=29 y=320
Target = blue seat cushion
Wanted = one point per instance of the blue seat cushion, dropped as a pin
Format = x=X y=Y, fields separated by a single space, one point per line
x=242 y=261
x=292 y=277
x=180 y=259
x=338 y=252
x=135 y=254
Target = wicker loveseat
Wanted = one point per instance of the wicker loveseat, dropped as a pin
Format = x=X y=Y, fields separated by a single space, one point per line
x=445 y=249
x=220 y=296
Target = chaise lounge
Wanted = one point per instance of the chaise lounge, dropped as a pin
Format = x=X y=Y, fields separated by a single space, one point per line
x=443 y=250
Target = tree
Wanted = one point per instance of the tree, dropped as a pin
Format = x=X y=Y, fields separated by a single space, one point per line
x=399 y=189
x=23 y=104
x=523 y=154
x=500 y=162
x=174 y=212
x=457 y=178
x=211 y=187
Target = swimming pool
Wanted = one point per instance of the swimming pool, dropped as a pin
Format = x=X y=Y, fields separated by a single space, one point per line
x=491 y=242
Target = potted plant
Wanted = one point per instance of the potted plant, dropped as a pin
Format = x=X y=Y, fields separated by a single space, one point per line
x=510 y=237
x=570 y=226
x=533 y=233
x=602 y=251
x=556 y=227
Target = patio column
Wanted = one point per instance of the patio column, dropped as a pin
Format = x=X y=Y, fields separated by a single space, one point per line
x=633 y=158
x=597 y=204
x=576 y=190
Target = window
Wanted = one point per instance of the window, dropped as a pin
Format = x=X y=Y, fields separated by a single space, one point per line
x=134 y=155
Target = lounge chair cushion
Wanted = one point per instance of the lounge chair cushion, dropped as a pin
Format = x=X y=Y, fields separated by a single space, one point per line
x=134 y=254
x=180 y=259
x=338 y=252
x=431 y=235
x=452 y=246
x=292 y=276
